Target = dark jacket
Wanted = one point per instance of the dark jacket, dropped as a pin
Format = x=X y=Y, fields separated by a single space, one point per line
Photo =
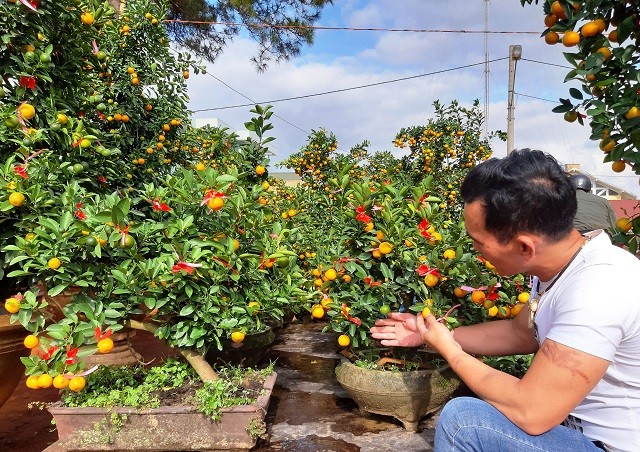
x=594 y=212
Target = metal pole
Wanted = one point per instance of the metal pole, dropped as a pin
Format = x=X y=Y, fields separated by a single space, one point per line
x=515 y=53
x=486 y=67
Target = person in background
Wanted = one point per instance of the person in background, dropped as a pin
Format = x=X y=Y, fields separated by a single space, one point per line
x=594 y=212
x=582 y=321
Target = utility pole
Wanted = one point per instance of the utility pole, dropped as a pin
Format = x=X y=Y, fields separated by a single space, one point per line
x=486 y=67
x=515 y=53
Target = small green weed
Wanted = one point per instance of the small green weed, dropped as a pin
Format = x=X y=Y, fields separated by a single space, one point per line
x=236 y=386
x=140 y=387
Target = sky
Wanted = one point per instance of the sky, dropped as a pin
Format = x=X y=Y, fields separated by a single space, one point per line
x=444 y=64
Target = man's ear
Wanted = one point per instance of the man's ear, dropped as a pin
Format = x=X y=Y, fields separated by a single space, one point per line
x=526 y=246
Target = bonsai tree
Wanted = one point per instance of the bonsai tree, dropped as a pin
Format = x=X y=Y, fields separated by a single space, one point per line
x=108 y=200
x=391 y=236
x=191 y=258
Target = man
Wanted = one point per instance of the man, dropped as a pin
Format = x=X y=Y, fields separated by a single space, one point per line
x=594 y=212
x=583 y=323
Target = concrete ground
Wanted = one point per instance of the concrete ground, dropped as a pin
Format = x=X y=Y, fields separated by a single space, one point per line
x=308 y=411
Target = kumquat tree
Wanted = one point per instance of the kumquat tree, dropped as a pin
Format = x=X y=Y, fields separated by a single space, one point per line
x=372 y=244
x=111 y=201
x=602 y=38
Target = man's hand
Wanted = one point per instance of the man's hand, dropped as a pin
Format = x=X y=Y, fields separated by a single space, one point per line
x=435 y=334
x=397 y=330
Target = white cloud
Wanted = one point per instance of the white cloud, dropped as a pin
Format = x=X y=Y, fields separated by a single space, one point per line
x=378 y=113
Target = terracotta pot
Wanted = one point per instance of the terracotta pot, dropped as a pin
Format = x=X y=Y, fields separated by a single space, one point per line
x=122 y=354
x=11 y=349
x=407 y=396
x=160 y=429
x=59 y=301
x=248 y=353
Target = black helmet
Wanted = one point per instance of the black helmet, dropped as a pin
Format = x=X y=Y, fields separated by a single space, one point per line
x=581 y=182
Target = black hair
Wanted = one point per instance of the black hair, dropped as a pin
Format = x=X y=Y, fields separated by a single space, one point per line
x=527 y=191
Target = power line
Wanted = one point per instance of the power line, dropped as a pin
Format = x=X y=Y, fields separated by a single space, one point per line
x=547 y=64
x=249 y=105
x=538 y=98
x=344 y=89
x=320 y=27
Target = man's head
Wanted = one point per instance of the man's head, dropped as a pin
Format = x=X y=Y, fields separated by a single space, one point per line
x=581 y=182
x=525 y=192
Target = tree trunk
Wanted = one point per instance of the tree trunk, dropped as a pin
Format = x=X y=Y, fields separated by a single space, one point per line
x=118 y=5
x=195 y=359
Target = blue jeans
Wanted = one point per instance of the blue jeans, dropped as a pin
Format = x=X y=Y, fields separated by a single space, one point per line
x=469 y=424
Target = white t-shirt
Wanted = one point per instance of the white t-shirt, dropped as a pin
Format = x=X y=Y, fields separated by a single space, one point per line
x=595 y=307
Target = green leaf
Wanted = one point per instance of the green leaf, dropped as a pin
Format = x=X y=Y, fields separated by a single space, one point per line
x=187 y=310
x=226 y=178
x=575 y=93
x=625 y=28
x=112 y=314
x=48 y=223
x=57 y=290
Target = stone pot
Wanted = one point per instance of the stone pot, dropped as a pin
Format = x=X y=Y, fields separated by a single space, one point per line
x=11 y=349
x=248 y=353
x=160 y=429
x=407 y=396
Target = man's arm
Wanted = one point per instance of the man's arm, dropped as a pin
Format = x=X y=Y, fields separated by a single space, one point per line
x=498 y=337
x=559 y=378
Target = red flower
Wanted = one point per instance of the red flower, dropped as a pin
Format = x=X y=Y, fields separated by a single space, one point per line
x=50 y=352
x=424 y=270
x=369 y=280
x=28 y=82
x=422 y=227
x=493 y=295
x=186 y=266
x=80 y=215
x=71 y=356
x=100 y=335
x=102 y=179
x=346 y=315
x=157 y=205
x=21 y=170
x=33 y=5
x=361 y=216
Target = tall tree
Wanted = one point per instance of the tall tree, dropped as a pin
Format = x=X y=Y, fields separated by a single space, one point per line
x=278 y=26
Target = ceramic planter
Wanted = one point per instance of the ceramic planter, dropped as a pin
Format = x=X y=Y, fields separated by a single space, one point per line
x=122 y=354
x=11 y=349
x=160 y=429
x=407 y=396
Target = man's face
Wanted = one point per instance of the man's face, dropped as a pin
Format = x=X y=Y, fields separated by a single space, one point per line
x=504 y=257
